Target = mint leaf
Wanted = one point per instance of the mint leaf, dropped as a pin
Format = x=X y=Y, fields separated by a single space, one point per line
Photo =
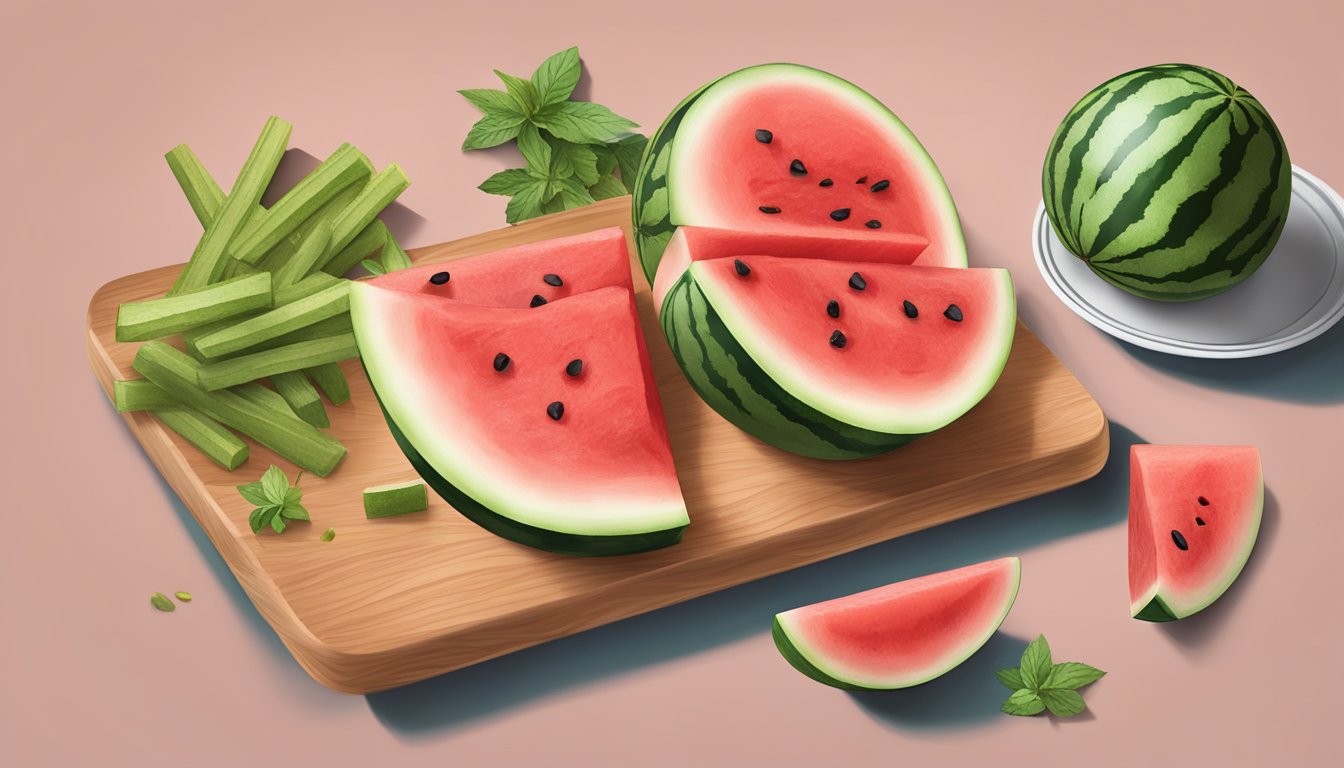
x=629 y=151
x=268 y=516
x=254 y=494
x=509 y=182
x=573 y=194
x=576 y=160
x=492 y=102
x=1036 y=664
x=1011 y=678
x=1070 y=675
x=535 y=151
x=1023 y=702
x=1062 y=703
x=294 y=512
x=493 y=130
x=278 y=523
x=372 y=267
x=583 y=122
x=523 y=93
x=554 y=205
x=555 y=79
x=607 y=187
x=255 y=519
x=275 y=484
x=526 y=203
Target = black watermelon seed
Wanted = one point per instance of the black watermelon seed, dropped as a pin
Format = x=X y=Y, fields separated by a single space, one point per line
x=741 y=266
x=538 y=300
x=501 y=362
x=857 y=282
x=953 y=313
x=555 y=410
x=1203 y=502
x=840 y=214
x=825 y=183
x=574 y=368
x=764 y=136
x=439 y=278
x=873 y=224
x=833 y=308
x=881 y=185
x=769 y=209
x=861 y=180
x=838 y=340
x=910 y=309
x=1180 y=541
x=553 y=280
x=1199 y=521
x=797 y=168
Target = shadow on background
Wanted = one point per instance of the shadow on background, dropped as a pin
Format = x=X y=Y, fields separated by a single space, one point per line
x=968 y=694
x=1311 y=373
x=457 y=698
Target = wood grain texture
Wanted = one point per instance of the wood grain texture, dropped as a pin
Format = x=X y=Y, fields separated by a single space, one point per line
x=393 y=601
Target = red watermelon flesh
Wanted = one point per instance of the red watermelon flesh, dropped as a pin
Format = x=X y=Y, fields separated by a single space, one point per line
x=513 y=277
x=1194 y=514
x=821 y=129
x=896 y=373
x=704 y=243
x=594 y=478
x=902 y=634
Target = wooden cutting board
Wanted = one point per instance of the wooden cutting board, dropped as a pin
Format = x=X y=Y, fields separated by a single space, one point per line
x=392 y=601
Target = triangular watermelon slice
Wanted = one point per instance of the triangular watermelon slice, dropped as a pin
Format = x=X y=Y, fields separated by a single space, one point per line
x=838 y=359
x=1194 y=515
x=541 y=424
x=902 y=634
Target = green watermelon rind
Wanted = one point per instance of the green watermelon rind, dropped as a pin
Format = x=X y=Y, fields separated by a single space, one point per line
x=653 y=232
x=1155 y=243
x=522 y=533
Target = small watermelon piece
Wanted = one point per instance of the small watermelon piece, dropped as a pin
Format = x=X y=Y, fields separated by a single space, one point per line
x=790 y=149
x=836 y=359
x=1194 y=514
x=903 y=634
x=540 y=424
x=513 y=277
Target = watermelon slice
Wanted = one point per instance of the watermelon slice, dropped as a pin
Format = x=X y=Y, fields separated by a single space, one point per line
x=540 y=424
x=790 y=149
x=903 y=634
x=1194 y=514
x=518 y=276
x=837 y=359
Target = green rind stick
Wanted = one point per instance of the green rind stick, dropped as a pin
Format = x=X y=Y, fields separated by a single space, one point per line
x=332 y=326
x=312 y=284
x=366 y=245
x=207 y=262
x=292 y=357
x=322 y=305
x=198 y=186
x=302 y=397
x=150 y=319
x=372 y=199
x=281 y=297
x=280 y=255
x=288 y=436
x=394 y=257
x=339 y=171
x=140 y=395
x=330 y=378
x=395 y=499
x=265 y=397
x=209 y=436
x=305 y=259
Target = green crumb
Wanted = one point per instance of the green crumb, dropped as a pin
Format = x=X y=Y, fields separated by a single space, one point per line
x=328 y=534
x=161 y=601
x=183 y=596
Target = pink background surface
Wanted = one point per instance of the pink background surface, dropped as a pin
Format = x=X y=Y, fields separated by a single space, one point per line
x=89 y=674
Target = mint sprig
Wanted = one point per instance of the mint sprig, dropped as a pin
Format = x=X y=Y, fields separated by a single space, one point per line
x=275 y=499
x=1039 y=684
x=575 y=152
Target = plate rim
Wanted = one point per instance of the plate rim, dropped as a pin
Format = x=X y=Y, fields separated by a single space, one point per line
x=1063 y=290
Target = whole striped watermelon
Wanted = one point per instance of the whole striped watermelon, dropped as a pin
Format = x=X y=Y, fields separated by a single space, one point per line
x=1170 y=182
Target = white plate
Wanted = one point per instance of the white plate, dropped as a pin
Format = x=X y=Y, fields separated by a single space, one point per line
x=1295 y=296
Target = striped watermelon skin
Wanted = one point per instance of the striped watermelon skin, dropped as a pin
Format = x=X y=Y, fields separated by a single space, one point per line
x=724 y=375
x=650 y=207
x=1170 y=182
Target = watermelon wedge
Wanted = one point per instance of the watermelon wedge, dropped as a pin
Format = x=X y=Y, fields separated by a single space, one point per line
x=1194 y=515
x=838 y=359
x=518 y=276
x=903 y=634
x=541 y=424
x=790 y=149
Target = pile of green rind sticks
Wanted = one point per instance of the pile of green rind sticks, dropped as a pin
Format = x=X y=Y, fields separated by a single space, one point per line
x=262 y=297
